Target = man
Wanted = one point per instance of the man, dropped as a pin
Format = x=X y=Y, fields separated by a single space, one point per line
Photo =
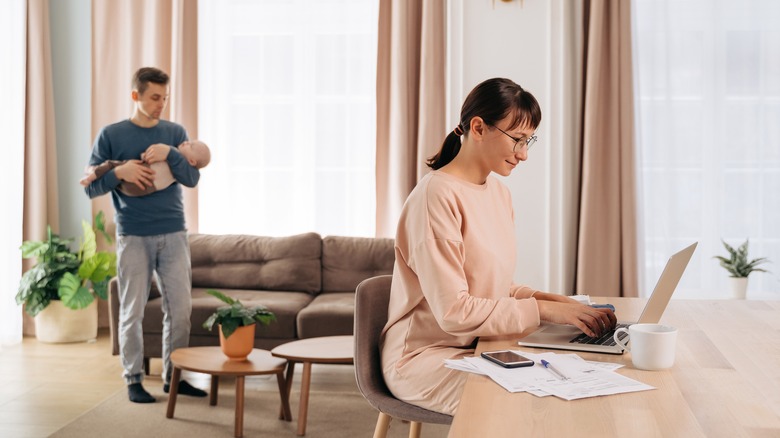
x=151 y=234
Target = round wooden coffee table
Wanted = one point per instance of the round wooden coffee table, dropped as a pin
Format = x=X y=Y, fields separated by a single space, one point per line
x=211 y=360
x=326 y=349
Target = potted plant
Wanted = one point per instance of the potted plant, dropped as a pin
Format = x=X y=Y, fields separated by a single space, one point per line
x=237 y=324
x=739 y=267
x=60 y=289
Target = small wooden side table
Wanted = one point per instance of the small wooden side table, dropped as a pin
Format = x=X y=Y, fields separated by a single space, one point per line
x=326 y=349
x=211 y=360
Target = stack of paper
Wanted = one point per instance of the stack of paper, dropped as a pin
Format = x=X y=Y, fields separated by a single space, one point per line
x=583 y=378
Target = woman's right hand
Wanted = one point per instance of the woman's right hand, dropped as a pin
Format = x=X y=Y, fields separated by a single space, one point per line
x=593 y=322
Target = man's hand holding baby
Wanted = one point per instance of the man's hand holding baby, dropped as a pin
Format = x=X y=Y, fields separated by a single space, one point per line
x=135 y=172
x=156 y=152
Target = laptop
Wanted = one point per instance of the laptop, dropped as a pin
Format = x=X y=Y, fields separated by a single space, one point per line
x=569 y=337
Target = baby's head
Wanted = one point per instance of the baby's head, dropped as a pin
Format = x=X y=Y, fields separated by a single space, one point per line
x=196 y=152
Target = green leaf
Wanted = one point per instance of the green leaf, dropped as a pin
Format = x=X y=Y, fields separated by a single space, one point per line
x=89 y=246
x=99 y=267
x=100 y=225
x=33 y=249
x=101 y=289
x=35 y=304
x=229 y=326
x=73 y=294
x=247 y=320
x=33 y=283
x=219 y=295
x=237 y=310
x=729 y=248
x=265 y=318
x=209 y=324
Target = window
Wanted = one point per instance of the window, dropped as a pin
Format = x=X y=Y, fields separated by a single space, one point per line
x=708 y=77
x=287 y=105
x=12 y=117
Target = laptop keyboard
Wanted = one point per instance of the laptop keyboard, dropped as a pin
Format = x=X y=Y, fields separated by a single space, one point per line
x=607 y=338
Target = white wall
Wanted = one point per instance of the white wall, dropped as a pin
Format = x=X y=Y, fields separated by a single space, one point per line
x=71 y=44
x=519 y=40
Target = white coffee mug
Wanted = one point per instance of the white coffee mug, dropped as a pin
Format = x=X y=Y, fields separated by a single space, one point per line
x=652 y=345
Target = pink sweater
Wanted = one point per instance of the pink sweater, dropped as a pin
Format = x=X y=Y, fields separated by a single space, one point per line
x=452 y=282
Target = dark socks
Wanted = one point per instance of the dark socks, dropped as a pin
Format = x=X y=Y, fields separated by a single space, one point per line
x=186 y=389
x=138 y=394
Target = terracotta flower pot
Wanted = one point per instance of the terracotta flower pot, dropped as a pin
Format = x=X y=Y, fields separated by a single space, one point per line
x=238 y=346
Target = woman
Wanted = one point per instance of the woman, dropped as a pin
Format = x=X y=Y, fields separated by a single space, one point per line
x=455 y=254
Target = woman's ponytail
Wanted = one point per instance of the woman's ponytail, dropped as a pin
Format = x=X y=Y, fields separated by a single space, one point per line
x=449 y=149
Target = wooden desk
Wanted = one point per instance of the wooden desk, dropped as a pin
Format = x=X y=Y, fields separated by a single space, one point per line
x=725 y=382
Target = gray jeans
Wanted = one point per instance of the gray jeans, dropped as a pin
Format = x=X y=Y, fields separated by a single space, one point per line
x=167 y=256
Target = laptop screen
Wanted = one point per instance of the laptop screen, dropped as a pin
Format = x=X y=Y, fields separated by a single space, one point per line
x=666 y=285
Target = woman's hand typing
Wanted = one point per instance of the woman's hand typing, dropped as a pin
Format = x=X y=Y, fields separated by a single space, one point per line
x=593 y=322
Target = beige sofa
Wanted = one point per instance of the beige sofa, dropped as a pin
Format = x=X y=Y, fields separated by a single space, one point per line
x=308 y=281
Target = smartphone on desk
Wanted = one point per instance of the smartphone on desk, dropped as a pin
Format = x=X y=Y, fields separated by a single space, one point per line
x=507 y=359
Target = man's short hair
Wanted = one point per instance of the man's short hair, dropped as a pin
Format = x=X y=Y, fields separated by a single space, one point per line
x=144 y=75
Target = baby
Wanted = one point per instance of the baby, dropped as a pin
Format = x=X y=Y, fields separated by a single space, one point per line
x=195 y=152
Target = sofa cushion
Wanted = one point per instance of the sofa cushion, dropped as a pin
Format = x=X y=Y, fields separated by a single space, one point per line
x=346 y=261
x=284 y=304
x=257 y=262
x=329 y=314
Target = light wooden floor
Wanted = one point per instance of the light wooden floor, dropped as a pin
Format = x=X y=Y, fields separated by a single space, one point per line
x=43 y=387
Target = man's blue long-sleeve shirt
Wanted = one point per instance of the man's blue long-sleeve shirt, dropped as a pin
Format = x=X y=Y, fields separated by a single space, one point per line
x=161 y=212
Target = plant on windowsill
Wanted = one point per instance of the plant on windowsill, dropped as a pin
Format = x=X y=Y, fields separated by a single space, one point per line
x=64 y=281
x=739 y=267
x=237 y=324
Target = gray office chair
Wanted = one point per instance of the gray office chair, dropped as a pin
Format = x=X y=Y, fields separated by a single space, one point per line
x=371 y=299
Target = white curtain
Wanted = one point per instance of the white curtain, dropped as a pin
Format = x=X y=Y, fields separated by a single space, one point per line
x=12 y=87
x=709 y=111
x=287 y=105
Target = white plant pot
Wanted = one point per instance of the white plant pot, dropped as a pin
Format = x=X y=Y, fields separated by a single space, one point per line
x=738 y=287
x=58 y=324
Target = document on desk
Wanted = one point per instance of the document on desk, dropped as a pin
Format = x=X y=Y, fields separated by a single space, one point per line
x=582 y=378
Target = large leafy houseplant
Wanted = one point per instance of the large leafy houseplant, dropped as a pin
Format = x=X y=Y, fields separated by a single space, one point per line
x=737 y=263
x=74 y=277
x=236 y=314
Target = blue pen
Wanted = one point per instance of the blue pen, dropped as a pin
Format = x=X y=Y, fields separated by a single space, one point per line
x=554 y=370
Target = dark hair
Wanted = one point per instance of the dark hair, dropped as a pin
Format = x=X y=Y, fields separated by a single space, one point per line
x=144 y=75
x=492 y=100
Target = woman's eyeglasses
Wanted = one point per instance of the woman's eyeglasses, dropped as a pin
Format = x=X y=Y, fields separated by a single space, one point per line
x=529 y=141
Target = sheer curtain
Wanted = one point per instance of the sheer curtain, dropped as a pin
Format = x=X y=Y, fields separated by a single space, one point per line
x=12 y=87
x=287 y=105
x=709 y=116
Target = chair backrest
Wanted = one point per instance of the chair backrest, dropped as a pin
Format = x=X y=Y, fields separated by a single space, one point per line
x=371 y=300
